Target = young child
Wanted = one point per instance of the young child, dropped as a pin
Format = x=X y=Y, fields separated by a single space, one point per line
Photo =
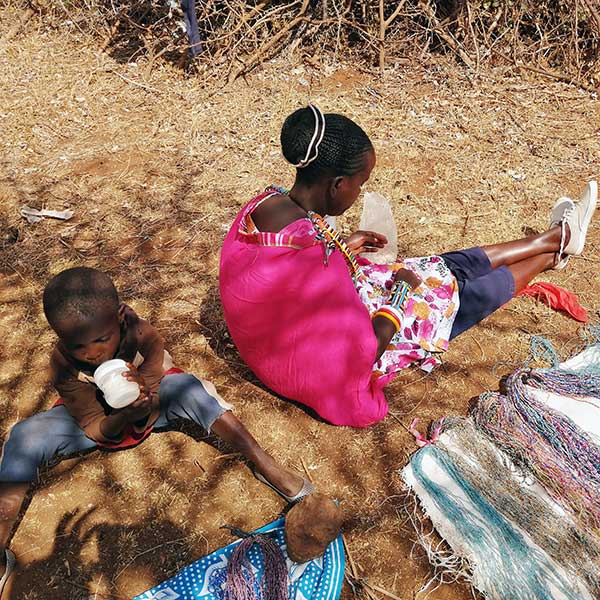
x=322 y=327
x=82 y=306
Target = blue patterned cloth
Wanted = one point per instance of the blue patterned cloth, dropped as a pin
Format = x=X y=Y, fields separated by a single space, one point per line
x=319 y=579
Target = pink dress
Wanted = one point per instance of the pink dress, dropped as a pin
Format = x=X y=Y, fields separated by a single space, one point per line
x=304 y=327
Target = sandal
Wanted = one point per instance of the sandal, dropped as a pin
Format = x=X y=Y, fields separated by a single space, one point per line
x=306 y=490
x=10 y=567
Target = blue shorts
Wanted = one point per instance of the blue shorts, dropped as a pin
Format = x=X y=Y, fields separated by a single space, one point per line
x=54 y=434
x=481 y=289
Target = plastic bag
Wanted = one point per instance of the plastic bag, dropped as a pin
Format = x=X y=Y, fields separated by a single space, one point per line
x=377 y=216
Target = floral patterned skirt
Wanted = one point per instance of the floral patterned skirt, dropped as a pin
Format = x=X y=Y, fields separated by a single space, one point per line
x=428 y=314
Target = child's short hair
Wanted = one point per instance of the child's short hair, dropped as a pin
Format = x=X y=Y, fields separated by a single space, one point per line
x=341 y=150
x=80 y=293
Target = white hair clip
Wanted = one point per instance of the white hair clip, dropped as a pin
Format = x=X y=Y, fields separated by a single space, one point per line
x=313 y=148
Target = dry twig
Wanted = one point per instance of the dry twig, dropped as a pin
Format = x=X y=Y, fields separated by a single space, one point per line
x=383 y=25
x=264 y=49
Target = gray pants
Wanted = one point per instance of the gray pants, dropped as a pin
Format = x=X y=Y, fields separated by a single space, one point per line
x=54 y=433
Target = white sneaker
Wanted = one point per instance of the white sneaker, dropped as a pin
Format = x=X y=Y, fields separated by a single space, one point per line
x=559 y=211
x=579 y=218
x=10 y=567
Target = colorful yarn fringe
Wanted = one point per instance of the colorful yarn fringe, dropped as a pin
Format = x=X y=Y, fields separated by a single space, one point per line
x=506 y=565
x=241 y=584
x=560 y=454
x=517 y=496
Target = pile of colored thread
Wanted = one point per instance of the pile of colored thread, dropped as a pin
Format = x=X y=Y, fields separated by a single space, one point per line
x=241 y=583
x=506 y=565
x=514 y=489
x=515 y=494
x=562 y=456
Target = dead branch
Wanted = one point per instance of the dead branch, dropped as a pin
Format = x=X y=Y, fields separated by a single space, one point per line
x=552 y=75
x=383 y=25
x=549 y=35
x=110 y=36
x=254 y=58
x=445 y=35
x=594 y=12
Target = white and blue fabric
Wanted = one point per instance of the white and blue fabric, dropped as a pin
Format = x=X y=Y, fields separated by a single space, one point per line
x=318 y=579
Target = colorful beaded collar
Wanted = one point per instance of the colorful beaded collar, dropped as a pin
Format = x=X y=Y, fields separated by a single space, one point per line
x=330 y=238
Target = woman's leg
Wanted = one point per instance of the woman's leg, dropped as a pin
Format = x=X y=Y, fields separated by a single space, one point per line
x=184 y=396
x=525 y=270
x=575 y=218
x=481 y=296
x=509 y=253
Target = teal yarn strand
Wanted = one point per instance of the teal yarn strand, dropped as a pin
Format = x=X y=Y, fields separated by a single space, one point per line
x=505 y=566
x=513 y=493
x=541 y=349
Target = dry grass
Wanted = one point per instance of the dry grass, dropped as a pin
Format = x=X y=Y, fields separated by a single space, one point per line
x=155 y=167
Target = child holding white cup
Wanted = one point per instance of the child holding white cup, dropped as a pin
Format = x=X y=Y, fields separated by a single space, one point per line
x=111 y=378
x=82 y=307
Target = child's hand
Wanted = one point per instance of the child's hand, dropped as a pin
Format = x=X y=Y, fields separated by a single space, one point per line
x=365 y=241
x=134 y=375
x=139 y=409
x=411 y=278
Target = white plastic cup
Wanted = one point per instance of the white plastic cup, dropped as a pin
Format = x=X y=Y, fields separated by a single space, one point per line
x=118 y=391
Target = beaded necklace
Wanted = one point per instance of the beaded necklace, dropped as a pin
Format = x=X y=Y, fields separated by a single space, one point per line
x=330 y=237
x=332 y=240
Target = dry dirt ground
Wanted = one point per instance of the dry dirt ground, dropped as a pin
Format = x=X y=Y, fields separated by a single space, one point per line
x=155 y=166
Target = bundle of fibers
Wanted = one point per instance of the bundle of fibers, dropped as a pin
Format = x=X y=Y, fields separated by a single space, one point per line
x=209 y=577
x=562 y=456
x=522 y=501
x=556 y=380
x=505 y=564
x=241 y=583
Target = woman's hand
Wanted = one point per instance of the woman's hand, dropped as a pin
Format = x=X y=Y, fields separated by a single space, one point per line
x=365 y=241
x=411 y=278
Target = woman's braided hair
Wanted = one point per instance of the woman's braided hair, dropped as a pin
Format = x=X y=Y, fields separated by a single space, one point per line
x=340 y=151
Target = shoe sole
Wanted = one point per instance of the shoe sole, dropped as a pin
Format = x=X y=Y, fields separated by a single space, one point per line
x=306 y=490
x=592 y=190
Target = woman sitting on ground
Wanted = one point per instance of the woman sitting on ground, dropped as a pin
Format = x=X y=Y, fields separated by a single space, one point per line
x=327 y=329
